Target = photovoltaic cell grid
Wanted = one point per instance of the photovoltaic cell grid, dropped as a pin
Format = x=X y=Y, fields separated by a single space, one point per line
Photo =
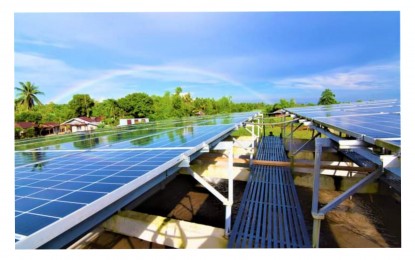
x=98 y=139
x=99 y=132
x=376 y=122
x=52 y=187
x=178 y=137
x=63 y=186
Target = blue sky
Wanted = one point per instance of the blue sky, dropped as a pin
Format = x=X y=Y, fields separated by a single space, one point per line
x=251 y=56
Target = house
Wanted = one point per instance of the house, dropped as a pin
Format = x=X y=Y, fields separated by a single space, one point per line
x=49 y=128
x=25 y=129
x=199 y=113
x=80 y=124
x=25 y=125
x=277 y=113
x=133 y=121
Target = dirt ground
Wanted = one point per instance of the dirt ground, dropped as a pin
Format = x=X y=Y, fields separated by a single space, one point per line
x=365 y=221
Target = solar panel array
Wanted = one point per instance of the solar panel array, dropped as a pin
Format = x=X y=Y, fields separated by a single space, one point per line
x=58 y=186
x=376 y=122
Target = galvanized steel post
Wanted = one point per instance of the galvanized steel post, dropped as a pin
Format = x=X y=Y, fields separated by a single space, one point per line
x=316 y=188
x=291 y=137
x=228 y=213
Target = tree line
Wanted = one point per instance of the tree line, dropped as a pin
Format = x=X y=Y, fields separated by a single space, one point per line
x=28 y=107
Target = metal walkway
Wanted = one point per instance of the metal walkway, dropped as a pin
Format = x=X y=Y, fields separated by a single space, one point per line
x=269 y=215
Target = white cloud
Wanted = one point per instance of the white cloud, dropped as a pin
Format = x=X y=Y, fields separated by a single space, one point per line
x=52 y=76
x=42 y=43
x=377 y=76
x=60 y=81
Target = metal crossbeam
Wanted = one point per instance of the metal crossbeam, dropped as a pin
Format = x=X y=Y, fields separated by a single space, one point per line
x=319 y=214
x=227 y=146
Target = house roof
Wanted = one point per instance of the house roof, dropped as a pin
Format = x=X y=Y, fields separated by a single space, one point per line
x=25 y=125
x=279 y=111
x=83 y=120
x=91 y=119
x=49 y=124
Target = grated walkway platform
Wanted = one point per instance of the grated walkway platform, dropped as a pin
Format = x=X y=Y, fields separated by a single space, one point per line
x=269 y=215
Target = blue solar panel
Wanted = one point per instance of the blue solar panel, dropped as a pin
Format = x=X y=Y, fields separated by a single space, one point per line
x=52 y=184
x=62 y=190
x=376 y=122
x=81 y=197
x=27 y=223
x=57 y=208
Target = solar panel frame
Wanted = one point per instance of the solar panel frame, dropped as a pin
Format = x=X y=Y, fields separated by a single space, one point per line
x=57 y=227
x=383 y=132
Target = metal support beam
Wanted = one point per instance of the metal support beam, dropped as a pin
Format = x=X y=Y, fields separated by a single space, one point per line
x=291 y=136
x=283 y=128
x=206 y=185
x=306 y=143
x=292 y=131
x=227 y=146
x=369 y=155
x=319 y=214
x=341 y=143
x=320 y=142
x=205 y=148
x=335 y=202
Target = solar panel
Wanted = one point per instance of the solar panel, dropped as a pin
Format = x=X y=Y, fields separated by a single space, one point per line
x=376 y=122
x=64 y=186
x=57 y=189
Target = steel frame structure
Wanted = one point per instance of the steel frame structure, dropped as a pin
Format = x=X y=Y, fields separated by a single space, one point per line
x=65 y=231
x=360 y=146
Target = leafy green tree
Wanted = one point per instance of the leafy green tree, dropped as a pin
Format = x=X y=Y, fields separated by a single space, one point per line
x=162 y=106
x=137 y=105
x=200 y=104
x=28 y=116
x=187 y=104
x=283 y=103
x=109 y=109
x=177 y=103
x=327 y=98
x=81 y=105
x=52 y=112
x=27 y=95
x=225 y=104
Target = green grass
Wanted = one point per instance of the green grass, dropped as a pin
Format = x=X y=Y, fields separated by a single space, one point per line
x=277 y=129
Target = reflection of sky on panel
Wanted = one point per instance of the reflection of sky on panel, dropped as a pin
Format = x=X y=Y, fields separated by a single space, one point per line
x=23 y=158
x=101 y=138
x=179 y=133
x=64 y=185
x=376 y=119
x=367 y=125
x=183 y=137
x=52 y=183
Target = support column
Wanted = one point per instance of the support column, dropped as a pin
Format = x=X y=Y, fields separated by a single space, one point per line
x=227 y=146
x=316 y=233
x=283 y=128
x=228 y=213
x=319 y=214
x=316 y=188
x=291 y=137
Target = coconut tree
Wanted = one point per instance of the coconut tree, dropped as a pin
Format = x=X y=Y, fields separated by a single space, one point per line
x=27 y=96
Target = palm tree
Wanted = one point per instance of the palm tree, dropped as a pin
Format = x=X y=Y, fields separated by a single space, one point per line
x=27 y=96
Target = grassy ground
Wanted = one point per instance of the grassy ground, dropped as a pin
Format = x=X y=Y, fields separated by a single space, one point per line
x=301 y=133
